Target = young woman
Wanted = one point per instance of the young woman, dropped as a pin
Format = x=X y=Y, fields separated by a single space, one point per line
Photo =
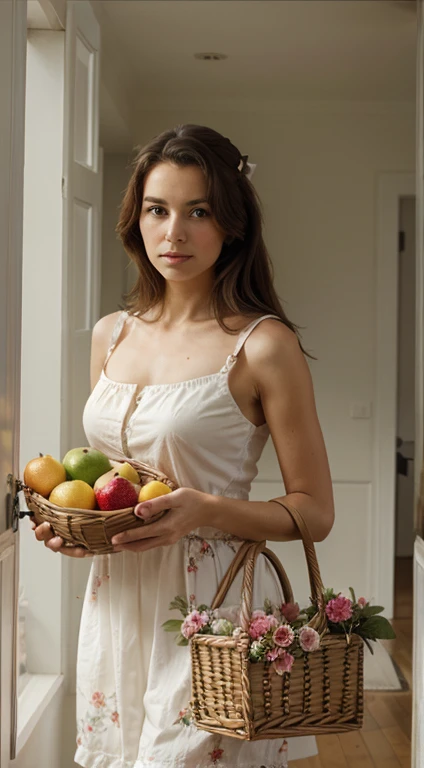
x=192 y=378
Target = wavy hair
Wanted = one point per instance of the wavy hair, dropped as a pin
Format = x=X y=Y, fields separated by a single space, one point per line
x=243 y=274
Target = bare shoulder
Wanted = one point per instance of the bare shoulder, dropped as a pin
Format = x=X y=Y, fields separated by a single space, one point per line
x=273 y=344
x=100 y=341
x=102 y=330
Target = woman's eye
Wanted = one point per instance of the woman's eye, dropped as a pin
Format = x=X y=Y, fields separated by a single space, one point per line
x=155 y=208
x=202 y=211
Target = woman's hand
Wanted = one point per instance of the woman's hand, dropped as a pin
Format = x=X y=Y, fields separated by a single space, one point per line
x=44 y=533
x=188 y=509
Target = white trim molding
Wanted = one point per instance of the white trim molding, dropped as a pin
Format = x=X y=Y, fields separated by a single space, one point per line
x=391 y=187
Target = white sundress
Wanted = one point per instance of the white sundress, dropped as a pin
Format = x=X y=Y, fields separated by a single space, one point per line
x=133 y=681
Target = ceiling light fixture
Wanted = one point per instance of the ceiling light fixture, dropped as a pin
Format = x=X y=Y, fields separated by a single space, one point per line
x=210 y=56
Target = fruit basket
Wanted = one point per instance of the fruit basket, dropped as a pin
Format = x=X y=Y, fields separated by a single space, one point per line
x=92 y=529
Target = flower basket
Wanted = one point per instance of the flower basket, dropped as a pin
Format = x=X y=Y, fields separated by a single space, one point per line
x=233 y=696
x=92 y=529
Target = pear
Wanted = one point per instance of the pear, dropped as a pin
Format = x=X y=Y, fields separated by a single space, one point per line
x=127 y=471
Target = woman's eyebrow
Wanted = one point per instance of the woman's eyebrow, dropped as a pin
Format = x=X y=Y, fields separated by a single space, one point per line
x=163 y=202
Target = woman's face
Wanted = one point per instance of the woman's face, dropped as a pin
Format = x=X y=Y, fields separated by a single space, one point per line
x=175 y=218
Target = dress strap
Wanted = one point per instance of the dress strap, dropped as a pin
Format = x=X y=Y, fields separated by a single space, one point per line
x=243 y=335
x=117 y=330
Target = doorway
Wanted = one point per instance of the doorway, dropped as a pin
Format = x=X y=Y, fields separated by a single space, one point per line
x=405 y=424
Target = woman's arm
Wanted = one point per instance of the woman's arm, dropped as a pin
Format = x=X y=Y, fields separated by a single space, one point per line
x=284 y=386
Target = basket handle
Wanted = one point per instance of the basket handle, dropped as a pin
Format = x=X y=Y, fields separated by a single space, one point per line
x=246 y=556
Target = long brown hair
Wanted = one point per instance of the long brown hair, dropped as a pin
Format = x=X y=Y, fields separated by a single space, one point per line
x=243 y=281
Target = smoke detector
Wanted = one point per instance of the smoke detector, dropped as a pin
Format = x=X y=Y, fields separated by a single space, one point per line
x=210 y=56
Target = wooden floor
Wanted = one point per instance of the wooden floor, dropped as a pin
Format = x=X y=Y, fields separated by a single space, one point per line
x=385 y=739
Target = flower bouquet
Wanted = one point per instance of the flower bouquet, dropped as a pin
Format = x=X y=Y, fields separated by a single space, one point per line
x=280 y=633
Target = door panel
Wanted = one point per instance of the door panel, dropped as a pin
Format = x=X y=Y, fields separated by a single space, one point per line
x=12 y=79
x=82 y=189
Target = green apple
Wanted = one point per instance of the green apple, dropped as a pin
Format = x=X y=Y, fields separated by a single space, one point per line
x=86 y=464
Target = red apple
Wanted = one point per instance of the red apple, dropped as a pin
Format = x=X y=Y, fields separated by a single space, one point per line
x=118 y=493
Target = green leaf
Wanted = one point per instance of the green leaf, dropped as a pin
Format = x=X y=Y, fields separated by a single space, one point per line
x=181 y=640
x=352 y=592
x=179 y=604
x=329 y=594
x=267 y=606
x=368 y=644
x=377 y=628
x=371 y=610
x=202 y=607
x=172 y=625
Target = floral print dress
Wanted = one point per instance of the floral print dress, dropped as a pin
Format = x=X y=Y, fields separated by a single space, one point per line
x=133 y=681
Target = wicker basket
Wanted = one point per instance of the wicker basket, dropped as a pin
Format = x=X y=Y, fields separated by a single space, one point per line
x=233 y=696
x=91 y=528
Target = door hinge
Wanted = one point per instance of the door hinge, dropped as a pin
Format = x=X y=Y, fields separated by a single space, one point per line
x=64 y=188
x=402 y=241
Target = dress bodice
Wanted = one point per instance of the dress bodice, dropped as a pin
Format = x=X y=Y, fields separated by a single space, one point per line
x=192 y=430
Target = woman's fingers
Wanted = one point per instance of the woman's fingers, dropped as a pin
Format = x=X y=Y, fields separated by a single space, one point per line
x=44 y=533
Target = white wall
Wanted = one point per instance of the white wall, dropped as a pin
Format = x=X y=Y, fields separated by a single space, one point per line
x=317 y=172
x=116 y=174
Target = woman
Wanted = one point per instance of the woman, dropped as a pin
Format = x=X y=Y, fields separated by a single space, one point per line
x=192 y=378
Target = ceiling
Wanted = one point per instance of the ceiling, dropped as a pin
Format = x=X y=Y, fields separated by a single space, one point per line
x=278 y=51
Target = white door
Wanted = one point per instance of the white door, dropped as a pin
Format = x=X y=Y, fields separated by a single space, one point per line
x=82 y=193
x=12 y=118
x=418 y=637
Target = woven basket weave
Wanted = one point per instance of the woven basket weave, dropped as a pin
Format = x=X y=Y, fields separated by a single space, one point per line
x=233 y=696
x=91 y=528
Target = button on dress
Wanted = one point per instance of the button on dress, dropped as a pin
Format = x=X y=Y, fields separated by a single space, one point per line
x=133 y=681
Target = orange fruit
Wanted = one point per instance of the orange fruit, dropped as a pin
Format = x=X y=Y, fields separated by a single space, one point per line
x=152 y=490
x=43 y=474
x=74 y=494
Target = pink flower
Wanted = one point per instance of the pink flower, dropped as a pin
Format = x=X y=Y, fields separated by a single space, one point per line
x=339 y=609
x=309 y=639
x=274 y=653
x=284 y=663
x=290 y=611
x=193 y=622
x=98 y=699
x=216 y=755
x=283 y=636
x=362 y=601
x=261 y=624
x=115 y=718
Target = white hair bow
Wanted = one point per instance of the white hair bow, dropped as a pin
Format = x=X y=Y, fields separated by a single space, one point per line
x=251 y=167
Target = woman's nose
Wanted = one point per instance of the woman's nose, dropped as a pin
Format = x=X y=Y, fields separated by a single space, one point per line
x=175 y=230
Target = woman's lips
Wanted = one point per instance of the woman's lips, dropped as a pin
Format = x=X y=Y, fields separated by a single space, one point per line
x=177 y=259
